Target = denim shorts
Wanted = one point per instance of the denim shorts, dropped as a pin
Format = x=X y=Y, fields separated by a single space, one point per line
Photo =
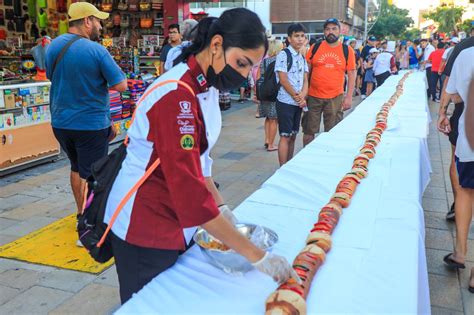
x=289 y=118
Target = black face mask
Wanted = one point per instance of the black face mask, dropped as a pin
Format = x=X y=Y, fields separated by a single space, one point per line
x=226 y=80
x=331 y=38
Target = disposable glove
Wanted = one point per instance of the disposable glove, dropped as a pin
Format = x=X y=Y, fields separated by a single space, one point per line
x=227 y=213
x=276 y=267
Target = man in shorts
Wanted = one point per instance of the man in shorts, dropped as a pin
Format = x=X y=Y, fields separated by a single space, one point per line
x=291 y=97
x=326 y=88
x=461 y=81
x=80 y=110
x=450 y=126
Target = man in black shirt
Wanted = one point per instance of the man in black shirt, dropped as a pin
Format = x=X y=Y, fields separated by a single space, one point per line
x=450 y=126
x=363 y=55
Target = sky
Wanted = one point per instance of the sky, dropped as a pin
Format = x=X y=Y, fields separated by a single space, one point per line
x=414 y=6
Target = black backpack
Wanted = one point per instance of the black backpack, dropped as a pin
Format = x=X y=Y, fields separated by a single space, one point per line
x=267 y=87
x=345 y=51
x=93 y=232
x=91 y=226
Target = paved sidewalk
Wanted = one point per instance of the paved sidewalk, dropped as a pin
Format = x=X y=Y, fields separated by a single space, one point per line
x=448 y=288
x=36 y=197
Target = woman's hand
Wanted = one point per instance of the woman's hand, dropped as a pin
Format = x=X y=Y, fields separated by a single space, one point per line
x=276 y=267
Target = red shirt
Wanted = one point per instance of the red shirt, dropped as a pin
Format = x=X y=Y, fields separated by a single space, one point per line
x=435 y=59
x=175 y=195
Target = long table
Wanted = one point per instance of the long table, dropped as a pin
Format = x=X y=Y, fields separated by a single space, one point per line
x=377 y=263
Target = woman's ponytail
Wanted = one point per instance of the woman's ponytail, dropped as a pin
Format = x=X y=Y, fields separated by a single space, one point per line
x=199 y=42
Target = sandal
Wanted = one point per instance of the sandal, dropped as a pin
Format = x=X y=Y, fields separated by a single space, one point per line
x=272 y=149
x=452 y=263
x=265 y=145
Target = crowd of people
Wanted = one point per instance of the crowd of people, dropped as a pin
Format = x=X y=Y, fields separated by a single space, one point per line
x=179 y=121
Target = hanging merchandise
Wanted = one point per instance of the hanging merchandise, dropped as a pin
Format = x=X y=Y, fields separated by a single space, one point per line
x=9 y=14
x=106 y=6
x=62 y=6
x=145 y=5
x=20 y=24
x=134 y=37
x=116 y=19
x=31 y=4
x=63 y=25
x=17 y=7
x=54 y=22
x=133 y=5
x=52 y=5
x=34 y=33
x=3 y=34
x=123 y=6
x=157 y=4
x=11 y=26
x=2 y=18
x=109 y=23
x=116 y=31
x=42 y=19
x=146 y=21
x=41 y=4
x=125 y=21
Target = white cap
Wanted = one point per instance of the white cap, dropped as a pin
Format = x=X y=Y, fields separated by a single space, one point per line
x=455 y=40
x=373 y=50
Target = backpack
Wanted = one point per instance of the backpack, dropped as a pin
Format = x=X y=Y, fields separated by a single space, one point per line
x=93 y=232
x=345 y=51
x=267 y=86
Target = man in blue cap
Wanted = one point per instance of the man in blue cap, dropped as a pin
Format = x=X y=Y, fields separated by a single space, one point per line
x=363 y=55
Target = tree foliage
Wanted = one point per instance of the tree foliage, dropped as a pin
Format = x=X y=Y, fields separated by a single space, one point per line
x=412 y=34
x=466 y=26
x=392 y=21
x=447 y=17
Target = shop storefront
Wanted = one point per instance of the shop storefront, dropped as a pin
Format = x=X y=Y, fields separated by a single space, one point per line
x=133 y=34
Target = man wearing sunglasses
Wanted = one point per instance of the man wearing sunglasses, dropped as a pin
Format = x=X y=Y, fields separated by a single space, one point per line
x=328 y=63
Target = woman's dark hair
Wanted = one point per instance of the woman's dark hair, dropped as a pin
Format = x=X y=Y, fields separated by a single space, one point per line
x=440 y=45
x=238 y=27
x=296 y=28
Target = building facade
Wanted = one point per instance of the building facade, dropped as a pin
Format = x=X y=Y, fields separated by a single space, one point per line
x=313 y=13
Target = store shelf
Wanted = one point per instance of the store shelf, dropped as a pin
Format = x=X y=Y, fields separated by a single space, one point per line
x=18 y=108
x=25 y=85
x=26 y=126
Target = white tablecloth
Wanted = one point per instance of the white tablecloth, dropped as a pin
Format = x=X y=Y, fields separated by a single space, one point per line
x=377 y=263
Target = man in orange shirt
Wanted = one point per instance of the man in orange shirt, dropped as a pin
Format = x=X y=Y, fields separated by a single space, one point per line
x=326 y=84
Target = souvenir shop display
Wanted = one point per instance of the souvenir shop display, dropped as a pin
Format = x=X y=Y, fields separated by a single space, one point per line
x=24 y=111
x=123 y=104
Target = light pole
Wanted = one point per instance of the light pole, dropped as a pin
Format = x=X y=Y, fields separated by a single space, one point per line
x=365 y=20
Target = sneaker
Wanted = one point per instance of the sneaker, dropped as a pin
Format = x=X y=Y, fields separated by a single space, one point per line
x=79 y=244
x=436 y=100
x=363 y=96
x=450 y=216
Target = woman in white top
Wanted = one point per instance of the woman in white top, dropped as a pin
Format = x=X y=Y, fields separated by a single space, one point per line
x=383 y=65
